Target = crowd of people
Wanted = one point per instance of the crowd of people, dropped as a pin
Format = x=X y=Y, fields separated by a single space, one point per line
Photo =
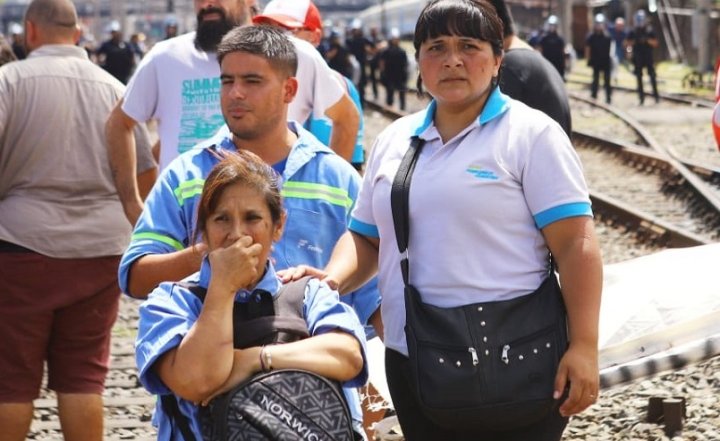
x=259 y=177
x=372 y=61
x=608 y=47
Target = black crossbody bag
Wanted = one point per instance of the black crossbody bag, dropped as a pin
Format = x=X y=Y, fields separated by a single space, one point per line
x=482 y=366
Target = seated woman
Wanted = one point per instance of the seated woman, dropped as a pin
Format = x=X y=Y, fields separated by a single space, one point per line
x=185 y=346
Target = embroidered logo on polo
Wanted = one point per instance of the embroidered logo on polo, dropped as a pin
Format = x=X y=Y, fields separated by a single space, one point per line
x=482 y=173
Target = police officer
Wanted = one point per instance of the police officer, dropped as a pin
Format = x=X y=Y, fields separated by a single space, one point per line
x=552 y=46
x=597 y=52
x=642 y=40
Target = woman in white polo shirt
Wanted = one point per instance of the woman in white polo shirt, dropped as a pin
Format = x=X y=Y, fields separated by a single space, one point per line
x=496 y=190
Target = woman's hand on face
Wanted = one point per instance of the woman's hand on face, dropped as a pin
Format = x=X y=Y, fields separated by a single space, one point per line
x=236 y=266
x=579 y=368
x=298 y=272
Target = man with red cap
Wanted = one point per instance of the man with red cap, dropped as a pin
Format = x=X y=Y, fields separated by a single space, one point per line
x=300 y=16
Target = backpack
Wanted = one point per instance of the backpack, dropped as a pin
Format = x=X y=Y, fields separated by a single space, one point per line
x=288 y=404
x=285 y=405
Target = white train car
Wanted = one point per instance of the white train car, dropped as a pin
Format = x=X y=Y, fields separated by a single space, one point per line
x=400 y=14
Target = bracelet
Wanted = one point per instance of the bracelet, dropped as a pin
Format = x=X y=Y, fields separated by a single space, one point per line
x=262 y=361
x=268 y=360
x=265 y=360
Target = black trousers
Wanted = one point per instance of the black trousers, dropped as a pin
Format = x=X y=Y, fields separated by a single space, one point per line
x=417 y=427
x=390 y=89
x=653 y=81
x=596 y=82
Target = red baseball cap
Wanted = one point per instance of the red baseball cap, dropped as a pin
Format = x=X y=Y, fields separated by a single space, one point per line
x=291 y=14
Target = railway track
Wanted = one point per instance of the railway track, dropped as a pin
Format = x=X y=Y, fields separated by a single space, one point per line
x=685 y=99
x=677 y=125
x=649 y=193
x=128 y=407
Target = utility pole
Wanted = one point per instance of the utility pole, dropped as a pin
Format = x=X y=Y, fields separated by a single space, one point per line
x=564 y=8
x=703 y=34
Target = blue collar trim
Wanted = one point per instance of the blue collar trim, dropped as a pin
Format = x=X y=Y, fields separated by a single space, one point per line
x=497 y=104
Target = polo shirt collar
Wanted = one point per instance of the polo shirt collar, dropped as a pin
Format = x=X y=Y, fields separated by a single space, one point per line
x=59 y=50
x=497 y=104
x=223 y=137
x=304 y=149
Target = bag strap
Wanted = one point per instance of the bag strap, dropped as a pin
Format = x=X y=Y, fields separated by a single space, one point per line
x=286 y=324
x=400 y=203
x=170 y=406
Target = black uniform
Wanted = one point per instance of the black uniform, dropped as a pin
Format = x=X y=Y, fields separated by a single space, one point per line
x=599 y=43
x=358 y=46
x=119 y=59
x=338 y=58
x=553 y=48
x=19 y=50
x=394 y=74
x=642 y=57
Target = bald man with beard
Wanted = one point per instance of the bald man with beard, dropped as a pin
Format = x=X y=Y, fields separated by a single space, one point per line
x=62 y=228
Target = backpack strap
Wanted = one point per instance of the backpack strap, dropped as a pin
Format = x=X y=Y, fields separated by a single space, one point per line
x=171 y=408
x=285 y=324
x=264 y=319
x=199 y=291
